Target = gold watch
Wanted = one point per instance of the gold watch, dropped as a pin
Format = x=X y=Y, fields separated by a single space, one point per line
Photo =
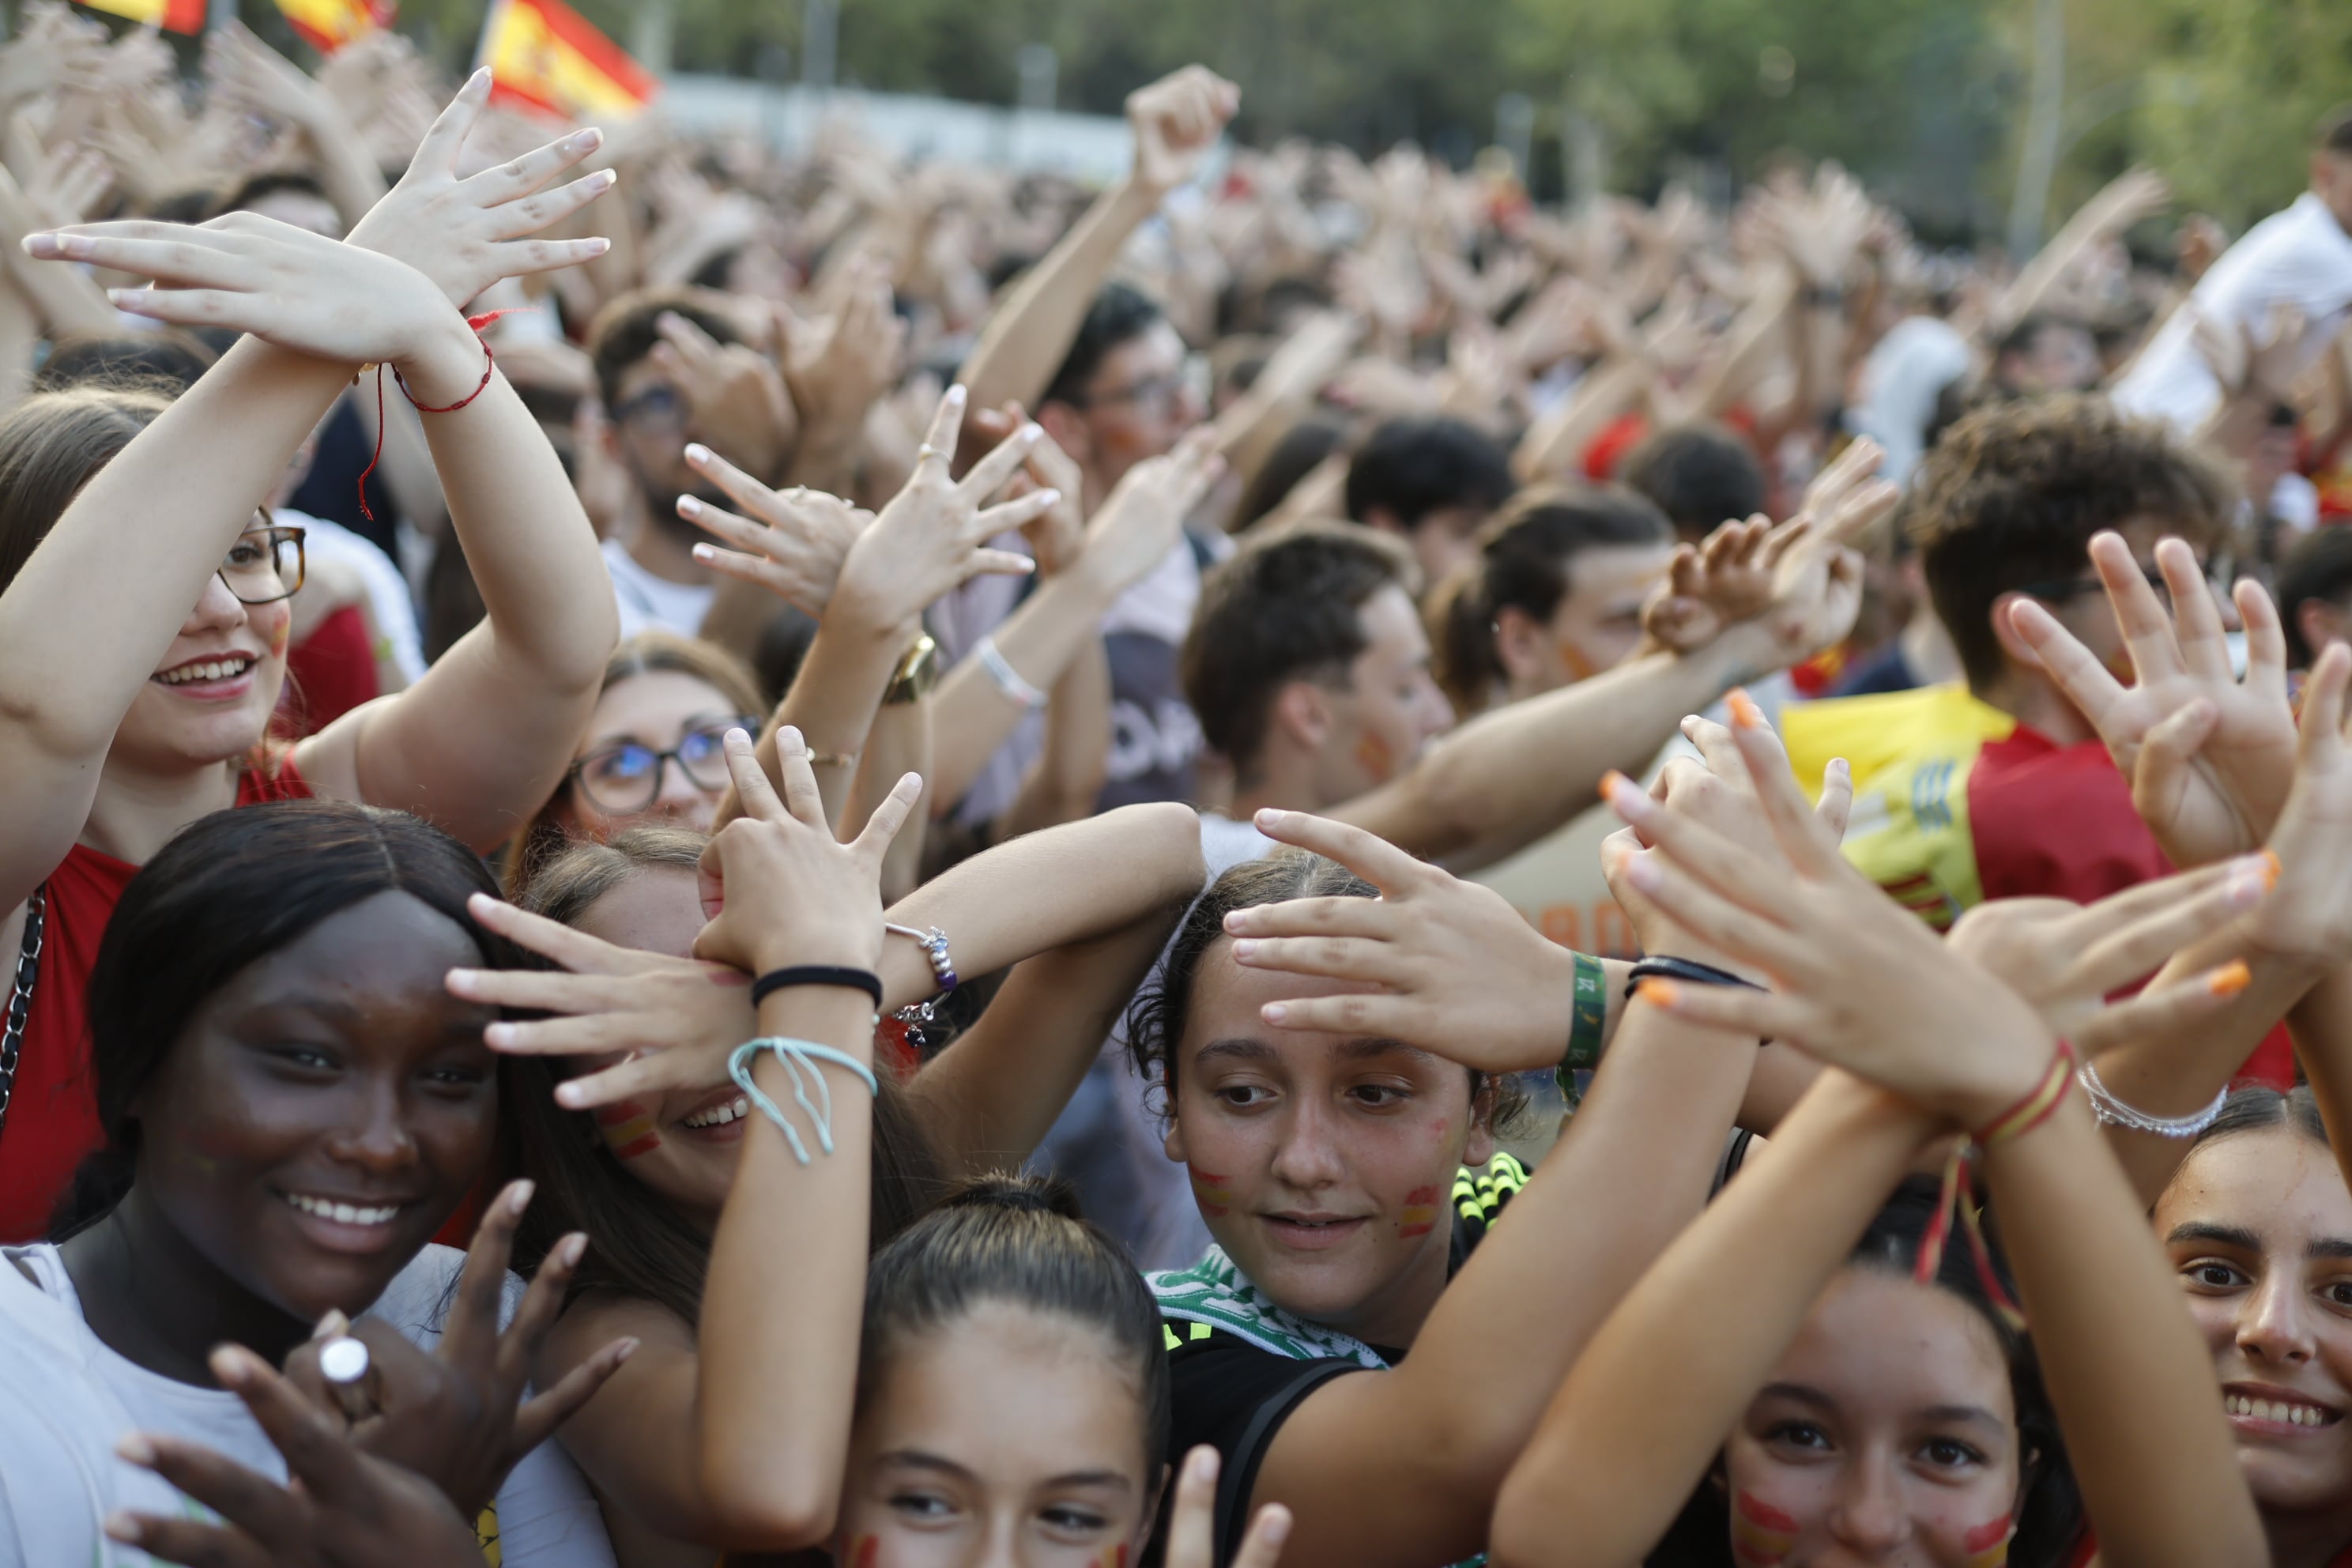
x=917 y=672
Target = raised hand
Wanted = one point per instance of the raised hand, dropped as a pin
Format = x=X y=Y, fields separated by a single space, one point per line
x=837 y=369
x=282 y=284
x=250 y=76
x=736 y=394
x=779 y=888
x=674 y=1020
x=2211 y=756
x=1176 y=120
x=453 y=1415
x=931 y=538
x=1193 y=1524
x=1852 y=982
x=2307 y=920
x=1445 y=964
x=793 y=541
x=1728 y=578
x=347 y=1509
x=467 y=233
x=1140 y=522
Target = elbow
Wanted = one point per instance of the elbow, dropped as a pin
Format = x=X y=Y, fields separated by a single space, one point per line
x=1522 y=1528
x=1170 y=831
x=755 y=1506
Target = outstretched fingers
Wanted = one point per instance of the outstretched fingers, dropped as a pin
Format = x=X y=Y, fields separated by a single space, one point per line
x=437 y=152
x=576 y=950
x=2147 y=630
x=1799 y=834
x=1368 y=854
x=2087 y=683
x=753 y=792
x=2197 y=619
x=2134 y=932
x=2159 y=1011
x=889 y=816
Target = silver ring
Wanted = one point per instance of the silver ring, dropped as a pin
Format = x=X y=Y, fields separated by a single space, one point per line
x=343 y=1363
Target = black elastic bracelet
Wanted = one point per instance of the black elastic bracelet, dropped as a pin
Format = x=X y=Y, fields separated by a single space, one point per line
x=775 y=980
x=1687 y=969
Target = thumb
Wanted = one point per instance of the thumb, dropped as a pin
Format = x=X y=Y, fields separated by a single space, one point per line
x=2160 y=777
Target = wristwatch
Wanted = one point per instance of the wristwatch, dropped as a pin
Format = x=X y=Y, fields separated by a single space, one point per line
x=917 y=672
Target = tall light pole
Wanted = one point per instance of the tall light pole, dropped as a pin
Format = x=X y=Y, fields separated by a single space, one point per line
x=2038 y=162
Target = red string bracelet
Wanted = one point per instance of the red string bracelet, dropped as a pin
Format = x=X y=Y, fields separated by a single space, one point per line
x=489 y=368
x=2036 y=1105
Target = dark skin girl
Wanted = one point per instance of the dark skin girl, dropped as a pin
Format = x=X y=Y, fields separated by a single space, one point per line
x=337 y=1069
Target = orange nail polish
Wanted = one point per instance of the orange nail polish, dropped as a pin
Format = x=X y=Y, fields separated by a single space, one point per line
x=2269 y=873
x=1658 y=993
x=2230 y=978
x=1612 y=782
x=1745 y=714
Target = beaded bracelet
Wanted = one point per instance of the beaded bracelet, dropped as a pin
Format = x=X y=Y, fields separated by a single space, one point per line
x=2113 y=1113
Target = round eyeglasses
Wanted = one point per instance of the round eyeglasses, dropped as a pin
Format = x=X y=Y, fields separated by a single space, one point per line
x=265 y=565
x=620 y=779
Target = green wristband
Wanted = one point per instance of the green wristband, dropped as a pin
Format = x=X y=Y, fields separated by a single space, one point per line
x=1588 y=1012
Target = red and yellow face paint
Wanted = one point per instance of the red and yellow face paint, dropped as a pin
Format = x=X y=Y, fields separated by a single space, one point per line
x=860 y=1552
x=1114 y=1557
x=1419 y=1216
x=628 y=1129
x=1375 y=756
x=1988 y=1544
x=1762 y=1535
x=1215 y=1198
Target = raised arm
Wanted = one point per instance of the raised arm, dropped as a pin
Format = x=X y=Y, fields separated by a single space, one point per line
x=1176 y=120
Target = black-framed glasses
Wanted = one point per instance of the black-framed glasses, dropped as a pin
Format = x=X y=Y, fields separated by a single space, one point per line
x=627 y=777
x=2066 y=590
x=660 y=406
x=264 y=564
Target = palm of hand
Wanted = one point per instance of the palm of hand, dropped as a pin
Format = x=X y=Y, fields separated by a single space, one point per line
x=2308 y=915
x=2227 y=799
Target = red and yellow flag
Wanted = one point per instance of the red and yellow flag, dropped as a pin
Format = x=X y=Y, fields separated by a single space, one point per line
x=543 y=55
x=171 y=15
x=328 y=25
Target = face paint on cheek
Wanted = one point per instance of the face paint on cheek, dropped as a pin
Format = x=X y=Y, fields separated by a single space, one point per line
x=1374 y=755
x=863 y=1551
x=1419 y=1216
x=1988 y=1543
x=285 y=632
x=628 y=1129
x=1114 y=1558
x=1760 y=1534
x=1215 y=1198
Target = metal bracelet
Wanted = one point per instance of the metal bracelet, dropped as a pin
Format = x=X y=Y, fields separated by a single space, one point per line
x=1008 y=680
x=2114 y=1112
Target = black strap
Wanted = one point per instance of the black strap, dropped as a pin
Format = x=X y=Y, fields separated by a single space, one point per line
x=1687 y=969
x=776 y=980
x=20 y=997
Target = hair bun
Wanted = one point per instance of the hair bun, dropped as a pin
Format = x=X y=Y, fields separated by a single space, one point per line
x=1037 y=1194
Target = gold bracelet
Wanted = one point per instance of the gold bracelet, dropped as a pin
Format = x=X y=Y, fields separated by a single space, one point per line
x=832 y=759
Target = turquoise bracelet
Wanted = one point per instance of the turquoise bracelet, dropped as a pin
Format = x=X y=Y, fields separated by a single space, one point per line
x=800 y=1059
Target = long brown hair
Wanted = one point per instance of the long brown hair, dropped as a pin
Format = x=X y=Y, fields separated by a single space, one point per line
x=53 y=443
x=543 y=838
x=640 y=1243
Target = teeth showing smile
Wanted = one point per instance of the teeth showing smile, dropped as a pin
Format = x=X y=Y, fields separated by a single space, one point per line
x=218 y=669
x=719 y=1115
x=342 y=1213
x=2276 y=1410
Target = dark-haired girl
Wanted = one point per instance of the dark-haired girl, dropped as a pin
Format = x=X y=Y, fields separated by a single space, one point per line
x=144 y=596
x=1845 y=1414
x=292 y=1104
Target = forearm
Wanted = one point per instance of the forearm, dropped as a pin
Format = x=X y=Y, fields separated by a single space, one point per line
x=2322 y=1026
x=1509 y=776
x=1554 y=445
x=1026 y=339
x=1045 y=890
x=786 y=1294
x=1756 y=336
x=832 y=700
x=20 y=339
x=1067 y=778
x=1611 y=1464
x=346 y=168
x=2163 y=1486
x=1041 y=639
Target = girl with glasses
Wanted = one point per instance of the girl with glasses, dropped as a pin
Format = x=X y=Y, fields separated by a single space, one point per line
x=143 y=596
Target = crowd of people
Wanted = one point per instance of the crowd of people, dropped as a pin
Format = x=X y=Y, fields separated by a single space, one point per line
x=718 y=856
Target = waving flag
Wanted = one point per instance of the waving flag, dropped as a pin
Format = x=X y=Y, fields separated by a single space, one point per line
x=328 y=25
x=171 y=15
x=543 y=55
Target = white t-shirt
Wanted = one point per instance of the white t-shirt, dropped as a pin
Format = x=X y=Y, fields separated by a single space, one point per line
x=646 y=600
x=2300 y=257
x=66 y=1399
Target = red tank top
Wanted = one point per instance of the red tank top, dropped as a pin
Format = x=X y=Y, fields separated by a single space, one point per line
x=53 y=1115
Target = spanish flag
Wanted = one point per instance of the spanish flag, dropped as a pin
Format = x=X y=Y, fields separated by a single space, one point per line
x=328 y=25
x=171 y=15
x=542 y=55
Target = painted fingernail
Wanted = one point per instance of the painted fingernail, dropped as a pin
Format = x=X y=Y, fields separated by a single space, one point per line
x=956 y=394
x=1273 y=1012
x=1245 y=947
x=696 y=452
x=570 y=1096
x=1028 y=432
x=1658 y=993
x=584 y=141
x=518 y=1197
x=232 y=1366
x=573 y=1248
x=1745 y=714
x=704 y=553
x=1274 y=1524
x=1048 y=497
x=498 y=1036
x=121 y=1526
x=1202 y=1464
x=331 y=1325
x=1624 y=795
x=2270 y=860
x=135 y=1447
x=687 y=505
x=2230 y=978
x=479 y=79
